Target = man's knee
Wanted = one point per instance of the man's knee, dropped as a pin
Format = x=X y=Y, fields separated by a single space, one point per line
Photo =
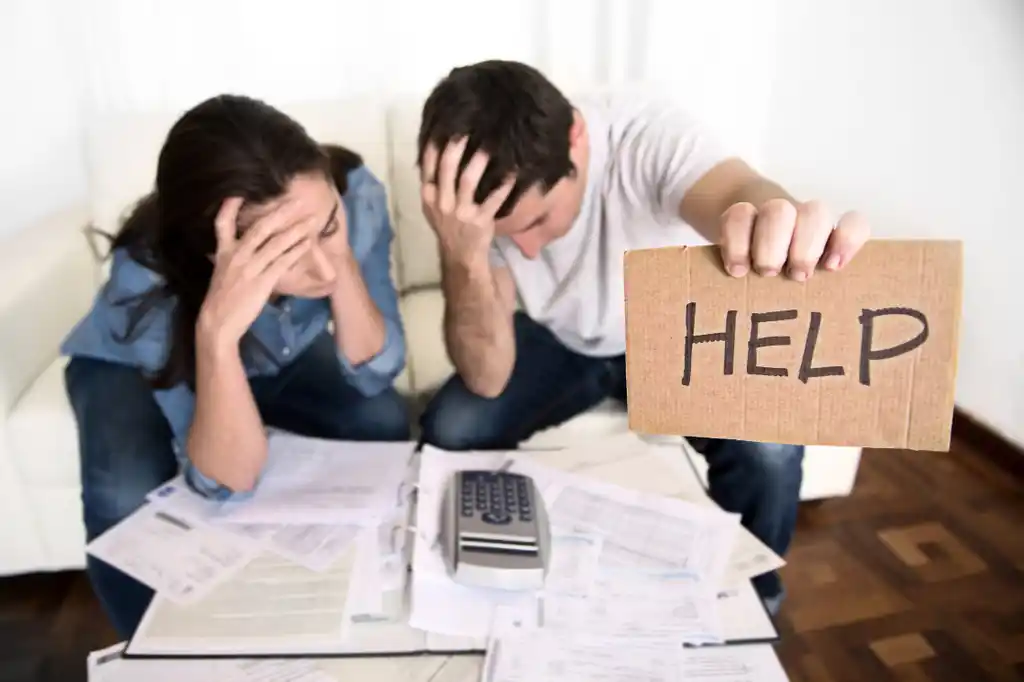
x=456 y=420
x=771 y=462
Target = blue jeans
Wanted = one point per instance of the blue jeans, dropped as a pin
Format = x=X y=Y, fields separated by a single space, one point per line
x=125 y=442
x=551 y=384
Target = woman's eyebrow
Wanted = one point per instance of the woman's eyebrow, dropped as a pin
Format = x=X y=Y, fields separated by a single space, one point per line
x=330 y=218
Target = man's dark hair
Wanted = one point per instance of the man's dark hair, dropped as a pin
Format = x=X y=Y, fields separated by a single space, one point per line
x=512 y=112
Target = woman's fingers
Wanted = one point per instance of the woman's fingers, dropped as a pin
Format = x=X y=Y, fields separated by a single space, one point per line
x=280 y=244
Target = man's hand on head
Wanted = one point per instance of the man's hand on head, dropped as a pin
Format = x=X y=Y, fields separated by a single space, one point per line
x=781 y=236
x=464 y=227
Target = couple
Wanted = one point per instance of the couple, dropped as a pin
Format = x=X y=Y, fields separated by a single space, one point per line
x=252 y=287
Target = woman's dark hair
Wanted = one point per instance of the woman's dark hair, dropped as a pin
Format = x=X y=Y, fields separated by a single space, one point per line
x=227 y=146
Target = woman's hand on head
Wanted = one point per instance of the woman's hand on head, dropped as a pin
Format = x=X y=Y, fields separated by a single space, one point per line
x=247 y=268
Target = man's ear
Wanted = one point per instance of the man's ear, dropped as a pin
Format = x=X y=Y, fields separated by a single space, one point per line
x=577 y=130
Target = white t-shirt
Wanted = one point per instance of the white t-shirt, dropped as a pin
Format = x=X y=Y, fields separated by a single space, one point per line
x=644 y=156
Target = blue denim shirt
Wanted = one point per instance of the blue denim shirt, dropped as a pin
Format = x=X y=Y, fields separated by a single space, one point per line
x=284 y=328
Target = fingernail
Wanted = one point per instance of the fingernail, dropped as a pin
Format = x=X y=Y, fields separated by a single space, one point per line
x=833 y=262
x=769 y=272
x=799 y=275
x=738 y=270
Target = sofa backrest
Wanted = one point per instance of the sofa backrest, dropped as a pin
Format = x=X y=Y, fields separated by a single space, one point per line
x=123 y=152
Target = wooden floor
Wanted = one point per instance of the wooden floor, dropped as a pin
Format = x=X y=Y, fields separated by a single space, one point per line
x=919 y=575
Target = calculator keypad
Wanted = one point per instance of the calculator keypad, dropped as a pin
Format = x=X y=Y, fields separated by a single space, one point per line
x=498 y=498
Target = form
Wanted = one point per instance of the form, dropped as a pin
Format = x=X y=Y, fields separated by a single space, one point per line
x=313 y=545
x=177 y=558
x=642 y=609
x=309 y=480
x=571 y=658
x=642 y=532
x=107 y=665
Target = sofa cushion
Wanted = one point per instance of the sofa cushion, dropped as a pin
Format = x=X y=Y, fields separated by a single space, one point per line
x=42 y=433
x=420 y=264
x=428 y=364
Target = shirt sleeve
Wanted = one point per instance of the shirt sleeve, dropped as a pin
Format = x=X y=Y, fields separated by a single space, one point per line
x=668 y=150
x=379 y=372
x=148 y=348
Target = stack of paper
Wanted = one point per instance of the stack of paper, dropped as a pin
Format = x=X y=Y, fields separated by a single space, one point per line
x=320 y=506
x=643 y=574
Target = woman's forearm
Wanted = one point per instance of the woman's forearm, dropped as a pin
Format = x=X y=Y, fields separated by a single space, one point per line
x=227 y=441
x=359 y=327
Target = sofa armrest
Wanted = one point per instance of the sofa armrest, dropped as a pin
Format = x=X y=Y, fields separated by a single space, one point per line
x=50 y=276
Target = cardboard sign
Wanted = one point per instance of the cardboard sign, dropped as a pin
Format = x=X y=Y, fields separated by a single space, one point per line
x=863 y=357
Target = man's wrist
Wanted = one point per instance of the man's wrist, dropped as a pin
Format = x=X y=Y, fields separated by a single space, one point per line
x=472 y=264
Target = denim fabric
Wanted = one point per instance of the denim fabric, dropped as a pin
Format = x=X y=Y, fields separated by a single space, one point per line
x=126 y=447
x=551 y=384
x=284 y=329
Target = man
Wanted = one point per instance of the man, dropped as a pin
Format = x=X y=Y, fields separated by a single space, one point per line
x=531 y=195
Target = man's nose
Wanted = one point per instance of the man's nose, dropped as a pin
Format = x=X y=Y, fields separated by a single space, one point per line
x=529 y=244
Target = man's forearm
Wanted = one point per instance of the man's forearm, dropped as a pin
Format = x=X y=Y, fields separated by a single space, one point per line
x=227 y=441
x=758 y=191
x=477 y=326
x=359 y=328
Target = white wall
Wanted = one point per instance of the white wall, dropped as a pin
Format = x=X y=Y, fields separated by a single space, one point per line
x=41 y=162
x=914 y=112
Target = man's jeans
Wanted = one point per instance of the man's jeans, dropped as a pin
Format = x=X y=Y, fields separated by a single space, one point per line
x=551 y=384
x=125 y=442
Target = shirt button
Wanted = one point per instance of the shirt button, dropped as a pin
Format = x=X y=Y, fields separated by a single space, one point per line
x=286 y=351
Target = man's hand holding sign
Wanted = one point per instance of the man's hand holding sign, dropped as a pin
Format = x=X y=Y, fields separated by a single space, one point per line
x=828 y=340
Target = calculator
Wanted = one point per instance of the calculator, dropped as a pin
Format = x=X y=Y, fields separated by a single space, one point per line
x=494 y=530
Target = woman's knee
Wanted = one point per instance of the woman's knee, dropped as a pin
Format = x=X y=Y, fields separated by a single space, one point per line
x=124 y=440
x=385 y=417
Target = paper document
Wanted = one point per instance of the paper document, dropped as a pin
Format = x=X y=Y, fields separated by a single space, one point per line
x=673 y=610
x=277 y=608
x=579 y=659
x=314 y=545
x=271 y=604
x=108 y=666
x=573 y=565
x=744 y=663
x=519 y=653
x=641 y=532
x=309 y=480
x=178 y=559
x=439 y=604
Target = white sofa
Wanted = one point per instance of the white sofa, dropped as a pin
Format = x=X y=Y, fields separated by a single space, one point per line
x=51 y=274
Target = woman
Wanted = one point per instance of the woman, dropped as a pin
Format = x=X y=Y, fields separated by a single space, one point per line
x=216 y=320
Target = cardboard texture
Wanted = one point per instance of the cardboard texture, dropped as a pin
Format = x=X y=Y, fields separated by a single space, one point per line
x=862 y=357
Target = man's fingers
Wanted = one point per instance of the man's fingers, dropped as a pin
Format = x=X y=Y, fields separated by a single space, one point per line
x=813 y=225
x=851 y=233
x=226 y=223
x=447 y=169
x=428 y=167
x=492 y=204
x=737 y=228
x=773 y=231
x=470 y=178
